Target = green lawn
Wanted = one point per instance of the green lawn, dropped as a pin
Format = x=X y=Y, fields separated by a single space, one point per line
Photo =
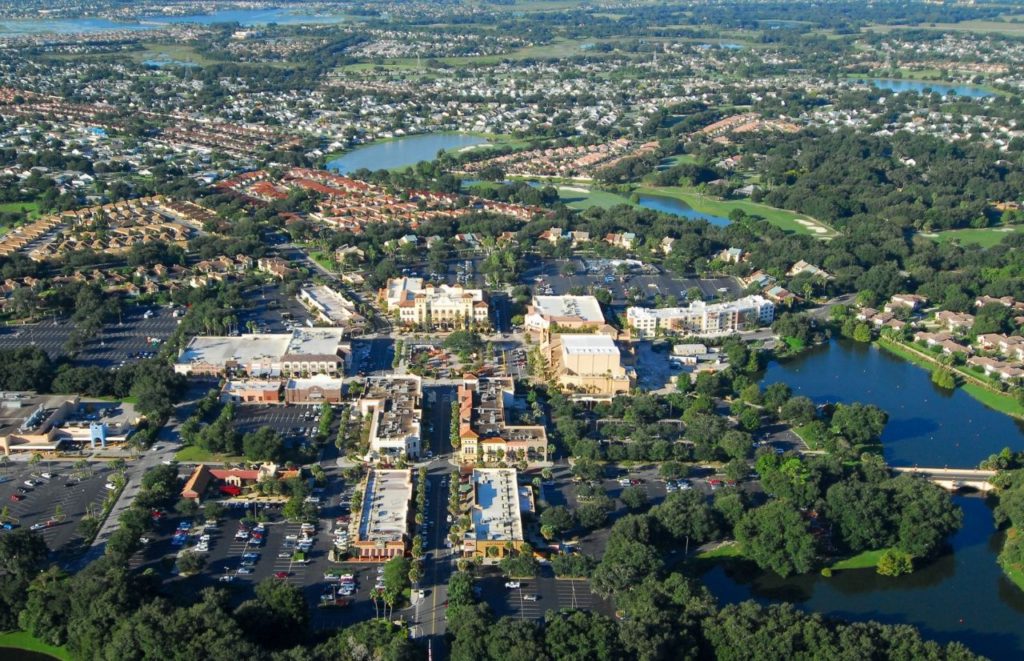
x=31 y=207
x=986 y=238
x=982 y=26
x=724 y=551
x=193 y=454
x=864 y=560
x=787 y=221
x=23 y=640
x=592 y=198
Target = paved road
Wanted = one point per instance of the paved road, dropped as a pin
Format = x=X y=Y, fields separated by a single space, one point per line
x=429 y=612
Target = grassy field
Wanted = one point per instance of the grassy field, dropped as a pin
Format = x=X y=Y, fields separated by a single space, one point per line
x=981 y=26
x=592 y=198
x=23 y=640
x=986 y=238
x=31 y=207
x=787 y=221
x=864 y=560
x=194 y=455
x=724 y=551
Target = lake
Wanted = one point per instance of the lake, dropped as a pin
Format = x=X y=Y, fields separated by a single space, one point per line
x=919 y=86
x=245 y=17
x=675 y=207
x=401 y=152
x=927 y=426
x=964 y=583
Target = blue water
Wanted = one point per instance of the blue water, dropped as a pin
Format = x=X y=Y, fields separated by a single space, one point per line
x=963 y=594
x=965 y=582
x=919 y=86
x=928 y=426
x=401 y=152
x=245 y=17
x=679 y=208
x=168 y=63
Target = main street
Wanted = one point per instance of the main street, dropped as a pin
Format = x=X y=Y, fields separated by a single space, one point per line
x=429 y=618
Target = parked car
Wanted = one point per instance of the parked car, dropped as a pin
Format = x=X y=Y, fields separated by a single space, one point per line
x=227 y=578
x=531 y=597
x=512 y=585
x=243 y=570
x=17 y=497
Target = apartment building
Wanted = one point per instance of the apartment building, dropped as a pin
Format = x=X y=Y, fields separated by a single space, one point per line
x=485 y=434
x=700 y=318
x=430 y=306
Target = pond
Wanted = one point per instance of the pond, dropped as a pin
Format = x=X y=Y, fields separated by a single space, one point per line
x=401 y=152
x=675 y=207
x=962 y=595
x=919 y=86
x=928 y=426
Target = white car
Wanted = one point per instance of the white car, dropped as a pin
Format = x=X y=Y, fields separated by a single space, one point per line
x=110 y=485
x=226 y=578
x=291 y=538
x=512 y=585
x=284 y=554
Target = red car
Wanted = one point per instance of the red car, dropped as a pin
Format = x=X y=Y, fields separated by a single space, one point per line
x=635 y=482
x=17 y=497
x=281 y=575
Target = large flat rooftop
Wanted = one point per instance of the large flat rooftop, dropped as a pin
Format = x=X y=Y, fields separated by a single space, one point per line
x=582 y=308
x=315 y=342
x=385 y=513
x=496 y=511
x=220 y=350
x=593 y=345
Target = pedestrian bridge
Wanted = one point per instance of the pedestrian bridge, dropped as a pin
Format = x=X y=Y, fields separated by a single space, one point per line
x=953 y=479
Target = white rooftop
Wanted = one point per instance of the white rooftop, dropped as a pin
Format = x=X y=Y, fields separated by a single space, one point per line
x=589 y=345
x=316 y=341
x=384 y=517
x=219 y=350
x=317 y=380
x=582 y=307
x=496 y=514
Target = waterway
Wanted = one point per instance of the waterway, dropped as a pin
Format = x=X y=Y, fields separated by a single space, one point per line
x=962 y=595
x=675 y=207
x=244 y=17
x=401 y=152
x=919 y=86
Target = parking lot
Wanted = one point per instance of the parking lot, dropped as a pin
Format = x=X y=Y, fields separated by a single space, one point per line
x=63 y=499
x=372 y=356
x=117 y=342
x=297 y=423
x=270 y=310
x=547 y=275
x=537 y=596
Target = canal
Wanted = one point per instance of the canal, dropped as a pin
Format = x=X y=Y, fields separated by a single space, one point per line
x=963 y=594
